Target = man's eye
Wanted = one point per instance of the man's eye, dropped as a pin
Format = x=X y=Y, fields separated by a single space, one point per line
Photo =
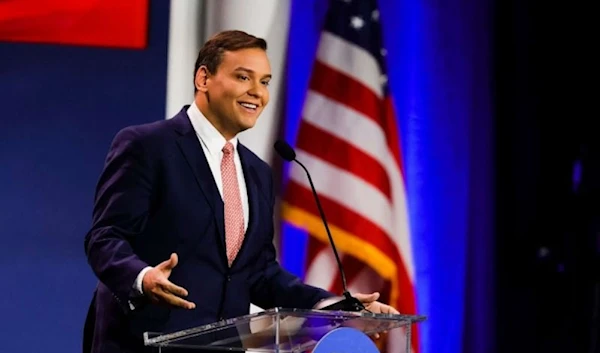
x=244 y=78
x=265 y=83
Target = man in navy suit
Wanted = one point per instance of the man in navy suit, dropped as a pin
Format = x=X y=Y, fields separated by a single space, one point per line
x=182 y=231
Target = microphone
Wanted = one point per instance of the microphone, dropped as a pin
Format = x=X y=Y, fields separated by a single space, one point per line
x=348 y=303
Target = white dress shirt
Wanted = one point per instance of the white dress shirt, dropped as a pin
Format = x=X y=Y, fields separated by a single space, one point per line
x=212 y=143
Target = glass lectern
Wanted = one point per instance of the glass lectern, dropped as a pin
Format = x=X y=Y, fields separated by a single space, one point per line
x=279 y=330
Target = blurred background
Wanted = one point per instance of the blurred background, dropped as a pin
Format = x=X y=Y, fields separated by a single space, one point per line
x=490 y=154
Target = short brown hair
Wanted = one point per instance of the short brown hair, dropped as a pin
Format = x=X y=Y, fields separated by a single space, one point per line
x=211 y=54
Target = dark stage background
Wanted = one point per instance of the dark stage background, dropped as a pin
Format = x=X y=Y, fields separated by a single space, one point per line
x=547 y=179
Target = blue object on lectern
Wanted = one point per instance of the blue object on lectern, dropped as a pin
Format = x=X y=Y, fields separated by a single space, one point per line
x=345 y=340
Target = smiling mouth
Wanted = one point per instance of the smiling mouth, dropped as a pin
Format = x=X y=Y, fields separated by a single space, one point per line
x=249 y=106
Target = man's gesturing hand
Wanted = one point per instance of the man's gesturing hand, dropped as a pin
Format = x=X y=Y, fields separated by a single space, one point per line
x=160 y=290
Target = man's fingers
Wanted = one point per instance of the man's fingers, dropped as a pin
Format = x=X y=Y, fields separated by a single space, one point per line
x=367 y=298
x=174 y=289
x=387 y=309
x=173 y=300
x=170 y=263
x=393 y=310
x=162 y=290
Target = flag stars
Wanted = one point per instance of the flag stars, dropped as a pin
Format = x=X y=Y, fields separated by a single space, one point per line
x=375 y=15
x=383 y=52
x=357 y=22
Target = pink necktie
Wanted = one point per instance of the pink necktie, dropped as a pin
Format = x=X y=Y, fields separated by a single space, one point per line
x=234 y=214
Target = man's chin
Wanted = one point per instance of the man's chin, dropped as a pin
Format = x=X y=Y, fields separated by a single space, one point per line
x=245 y=125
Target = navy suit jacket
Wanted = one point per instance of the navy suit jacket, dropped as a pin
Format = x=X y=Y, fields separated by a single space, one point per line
x=157 y=195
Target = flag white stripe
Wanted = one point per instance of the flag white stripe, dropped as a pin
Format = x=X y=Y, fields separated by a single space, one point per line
x=345 y=188
x=322 y=270
x=364 y=134
x=350 y=59
x=347 y=124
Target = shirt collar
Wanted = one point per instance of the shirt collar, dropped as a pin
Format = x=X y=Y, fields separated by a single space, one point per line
x=208 y=134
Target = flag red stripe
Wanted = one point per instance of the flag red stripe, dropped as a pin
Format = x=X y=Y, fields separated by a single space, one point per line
x=346 y=91
x=336 y=285
x=349 y=92
x=343 y=155
x=392 y=132
x=352 y=268
x=313 y=248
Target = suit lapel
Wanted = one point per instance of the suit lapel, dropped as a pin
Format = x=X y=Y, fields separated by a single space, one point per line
x=194 y=155
x=192 y=151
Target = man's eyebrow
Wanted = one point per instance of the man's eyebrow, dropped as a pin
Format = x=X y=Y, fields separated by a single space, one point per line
x=241 y=68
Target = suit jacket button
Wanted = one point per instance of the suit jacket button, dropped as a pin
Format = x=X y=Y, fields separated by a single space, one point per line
x=228 y=278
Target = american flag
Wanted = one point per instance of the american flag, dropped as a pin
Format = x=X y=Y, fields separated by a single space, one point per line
x=348 y=139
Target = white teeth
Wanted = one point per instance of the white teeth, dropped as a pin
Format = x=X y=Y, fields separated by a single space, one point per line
x=248 y=105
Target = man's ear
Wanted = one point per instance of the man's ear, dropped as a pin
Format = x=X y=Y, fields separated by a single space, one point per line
x=201 y=78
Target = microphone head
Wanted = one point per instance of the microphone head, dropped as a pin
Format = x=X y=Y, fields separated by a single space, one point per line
x=285 y=150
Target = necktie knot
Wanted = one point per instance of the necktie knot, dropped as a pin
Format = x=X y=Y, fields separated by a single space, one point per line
x=228 y=148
